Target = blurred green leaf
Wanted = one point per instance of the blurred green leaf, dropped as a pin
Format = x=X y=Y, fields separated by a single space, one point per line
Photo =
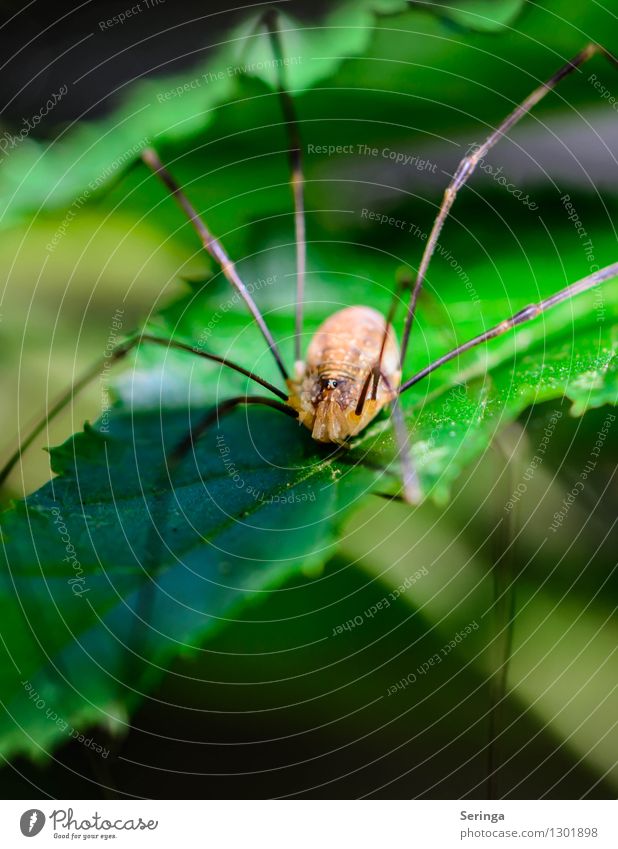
x=481 y=15
x=562 y=648
x=86 y=158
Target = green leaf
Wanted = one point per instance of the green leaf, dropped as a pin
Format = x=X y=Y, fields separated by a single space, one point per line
x=108 y=575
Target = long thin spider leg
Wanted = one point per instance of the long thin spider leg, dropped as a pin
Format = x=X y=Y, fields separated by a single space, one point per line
x=528 y=313
x=181 y=346
x=470 y=161
x=409 y=477
x=504 y=606
x=222 y=409
x=117 y=354
x=297 y=181
x=387 y=496
x=404 y=283
x=214 y=248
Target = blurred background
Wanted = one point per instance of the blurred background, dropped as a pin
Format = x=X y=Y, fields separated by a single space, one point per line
x=279 y=703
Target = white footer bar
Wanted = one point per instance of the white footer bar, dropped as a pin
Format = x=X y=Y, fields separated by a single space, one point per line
x=310 y=824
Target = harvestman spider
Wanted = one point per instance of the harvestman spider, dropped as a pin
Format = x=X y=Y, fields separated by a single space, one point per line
x=353 y=366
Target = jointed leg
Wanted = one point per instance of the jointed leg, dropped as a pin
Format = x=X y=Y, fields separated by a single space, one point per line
x=468 y=164
x=181 y=346
x=117 y=354
x=528 y=313
x=296 y=175
x=214 y=248
x=409 y=477
x=503 y=625
x=405 y=282
x=223 y=409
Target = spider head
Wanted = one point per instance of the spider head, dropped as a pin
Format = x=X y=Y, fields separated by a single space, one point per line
x=330 y=389
x=327 y=406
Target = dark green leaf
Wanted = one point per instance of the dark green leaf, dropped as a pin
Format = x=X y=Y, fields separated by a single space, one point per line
x=108 y=574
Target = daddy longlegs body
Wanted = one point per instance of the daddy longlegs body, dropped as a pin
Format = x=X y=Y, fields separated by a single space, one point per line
x=353 y=367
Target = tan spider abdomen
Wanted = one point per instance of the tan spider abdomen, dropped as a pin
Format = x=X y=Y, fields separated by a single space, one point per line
x=343 y=351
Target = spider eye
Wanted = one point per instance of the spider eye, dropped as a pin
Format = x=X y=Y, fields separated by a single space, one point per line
x=330 y=383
